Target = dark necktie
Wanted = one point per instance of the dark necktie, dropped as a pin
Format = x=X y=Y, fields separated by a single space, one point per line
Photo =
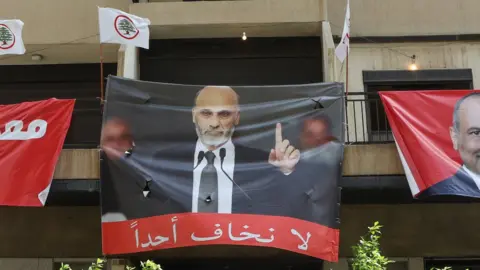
x=208 y=193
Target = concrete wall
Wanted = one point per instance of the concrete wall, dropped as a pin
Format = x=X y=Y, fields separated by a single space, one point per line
x=51 y=263
x=207 y=19
x=449 y=55
x=49 y=232
x=58 y=21
x=72 y=24
x=62 y=31
x=413 y=230
x=406 y=17
x=399 y=264
x=26 y=264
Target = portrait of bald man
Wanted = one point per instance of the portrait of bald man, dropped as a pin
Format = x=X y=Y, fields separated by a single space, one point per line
x=465 y=136
x=213 y=173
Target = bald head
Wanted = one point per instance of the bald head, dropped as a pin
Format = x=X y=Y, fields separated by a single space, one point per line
x=215 y=115
x=216 y=96
x=459 y=107
x=465 y=131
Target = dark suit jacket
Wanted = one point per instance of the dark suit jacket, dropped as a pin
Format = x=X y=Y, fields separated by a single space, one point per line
x=460 y=184
x=303 y=194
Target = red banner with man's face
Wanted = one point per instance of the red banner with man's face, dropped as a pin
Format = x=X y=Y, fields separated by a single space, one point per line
x=31 y=139
x=438 y=139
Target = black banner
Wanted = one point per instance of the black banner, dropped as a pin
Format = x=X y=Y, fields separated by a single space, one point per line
x=186 y=165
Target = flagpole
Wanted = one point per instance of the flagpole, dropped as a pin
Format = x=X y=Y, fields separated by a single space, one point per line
x=101 y=75
x=346 y=74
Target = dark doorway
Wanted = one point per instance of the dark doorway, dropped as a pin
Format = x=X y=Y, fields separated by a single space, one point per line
x=256 y=61
x=66 y=81
x=378 y=128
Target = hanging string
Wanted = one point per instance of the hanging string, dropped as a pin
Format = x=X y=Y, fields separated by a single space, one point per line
x=68 y=43
x=47 y=48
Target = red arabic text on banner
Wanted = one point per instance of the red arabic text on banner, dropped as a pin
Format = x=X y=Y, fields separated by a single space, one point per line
x=420 y=123
x=31 y=139
x=194 y=229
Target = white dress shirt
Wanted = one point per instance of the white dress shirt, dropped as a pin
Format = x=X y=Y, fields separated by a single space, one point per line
x=475 y=177
x=225 y=185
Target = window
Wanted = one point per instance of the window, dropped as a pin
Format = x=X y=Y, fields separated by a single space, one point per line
x=66 y=81
x=378 y=128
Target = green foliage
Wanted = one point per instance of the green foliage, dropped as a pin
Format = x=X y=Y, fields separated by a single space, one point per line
x=126 y=26
x=445 y=268
x=99 y=264
x=65 y=267
x=5 y=35
x=148 y=265
x=367 y=254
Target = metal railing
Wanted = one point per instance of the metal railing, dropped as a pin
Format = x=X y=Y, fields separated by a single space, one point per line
x=365 y=118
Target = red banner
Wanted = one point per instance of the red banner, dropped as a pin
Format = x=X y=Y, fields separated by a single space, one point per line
x=31 y=139
x=194 y=229
x=438 y=139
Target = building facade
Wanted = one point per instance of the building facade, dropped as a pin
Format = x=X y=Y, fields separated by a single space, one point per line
x=288 y=42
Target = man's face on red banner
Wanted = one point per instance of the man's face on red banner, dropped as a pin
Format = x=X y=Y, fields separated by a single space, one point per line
x=438 y=160
x=465 y=132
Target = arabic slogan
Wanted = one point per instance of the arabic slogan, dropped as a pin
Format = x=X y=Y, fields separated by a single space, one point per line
x=13 y=130
x=193 y=229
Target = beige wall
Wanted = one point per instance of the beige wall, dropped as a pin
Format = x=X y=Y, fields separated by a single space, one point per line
x=63 y=54
x=450 y=55
x=207 y=19
x=407 y=17
x=58 y=21
x=62 y=31
x=55 y=22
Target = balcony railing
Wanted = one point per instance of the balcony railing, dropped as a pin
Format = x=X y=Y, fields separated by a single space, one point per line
x=365 y=118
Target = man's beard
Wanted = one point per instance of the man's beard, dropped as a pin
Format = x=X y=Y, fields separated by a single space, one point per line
x=214 y=140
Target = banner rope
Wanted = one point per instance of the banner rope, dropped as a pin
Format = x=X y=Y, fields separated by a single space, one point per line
x=49 y=47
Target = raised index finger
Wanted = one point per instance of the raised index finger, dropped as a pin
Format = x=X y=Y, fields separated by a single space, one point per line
x=278 y=133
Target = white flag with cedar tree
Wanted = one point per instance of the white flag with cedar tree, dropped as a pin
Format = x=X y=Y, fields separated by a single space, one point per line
x=343 y=47
x=120 y=27
x=11 y=41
